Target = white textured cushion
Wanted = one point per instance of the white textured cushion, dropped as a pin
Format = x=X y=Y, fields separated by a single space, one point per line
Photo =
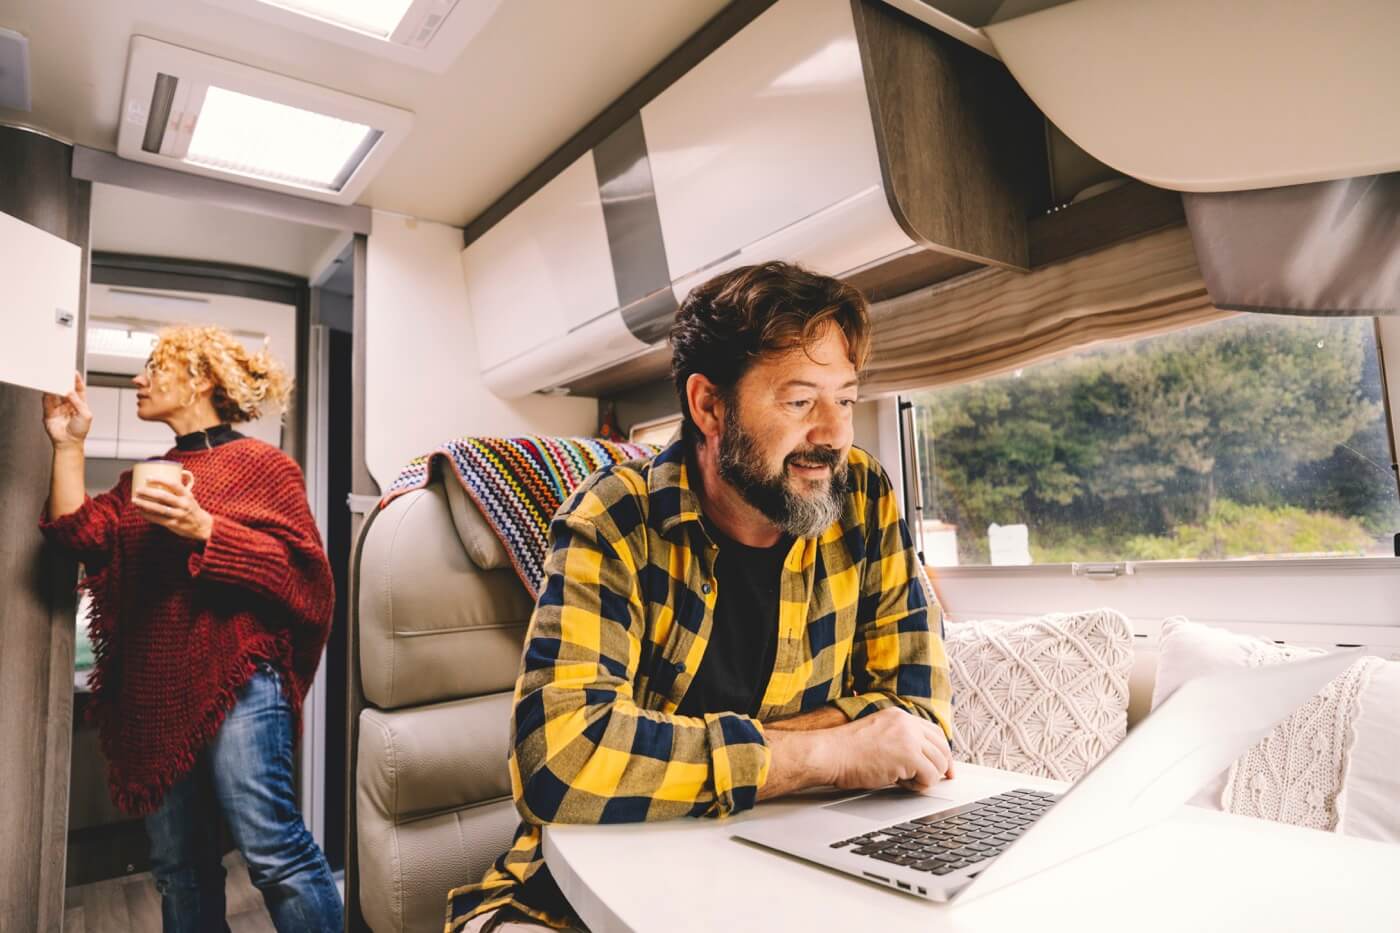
x=1333 y=765
x=1045 y=696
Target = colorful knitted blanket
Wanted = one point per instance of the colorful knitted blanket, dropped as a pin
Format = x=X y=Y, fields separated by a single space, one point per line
x=518 y=483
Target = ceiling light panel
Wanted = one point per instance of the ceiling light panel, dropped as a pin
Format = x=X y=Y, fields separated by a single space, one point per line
x=120 y=341
x=428 y=34
x=209 y=116
x=372 y=17
x=264 y=139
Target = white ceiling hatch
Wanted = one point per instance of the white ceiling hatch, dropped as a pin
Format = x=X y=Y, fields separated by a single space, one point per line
x=189 y=111
x=427 y=34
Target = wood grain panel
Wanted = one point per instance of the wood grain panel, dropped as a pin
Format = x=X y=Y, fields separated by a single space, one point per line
x=142 y=905
x=36 y=583
x=1125 y=213
x=104 y=906
x=962 y=149
x=132 y=904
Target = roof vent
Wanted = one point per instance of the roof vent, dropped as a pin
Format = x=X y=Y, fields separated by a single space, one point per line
x=192 y=112
x=427 y=34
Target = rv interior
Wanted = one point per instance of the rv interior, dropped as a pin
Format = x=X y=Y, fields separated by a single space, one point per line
x=1133 y=273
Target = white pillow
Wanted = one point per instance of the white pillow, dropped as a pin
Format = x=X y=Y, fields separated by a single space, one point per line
x=1045 y=696
x=1333 y=765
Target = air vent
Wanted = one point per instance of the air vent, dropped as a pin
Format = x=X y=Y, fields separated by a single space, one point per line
x=209 y=116
x=428 y=34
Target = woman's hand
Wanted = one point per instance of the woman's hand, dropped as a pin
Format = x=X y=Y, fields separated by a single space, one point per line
x=175 y=508
x=68 y=418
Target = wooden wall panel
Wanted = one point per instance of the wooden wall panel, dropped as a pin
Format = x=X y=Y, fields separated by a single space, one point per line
x=962 y=149
x=36 y=584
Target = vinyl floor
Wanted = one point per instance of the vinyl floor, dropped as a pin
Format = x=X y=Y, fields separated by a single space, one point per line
x=131 y=904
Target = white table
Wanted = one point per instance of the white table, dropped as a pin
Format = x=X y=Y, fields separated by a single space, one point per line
x=1200 y=871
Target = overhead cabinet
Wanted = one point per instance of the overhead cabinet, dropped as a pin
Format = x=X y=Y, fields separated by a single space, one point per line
x=842 y=135
x=541 y=287
x=766 y=151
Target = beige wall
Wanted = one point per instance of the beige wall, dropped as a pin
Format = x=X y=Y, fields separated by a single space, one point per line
x=422 y=381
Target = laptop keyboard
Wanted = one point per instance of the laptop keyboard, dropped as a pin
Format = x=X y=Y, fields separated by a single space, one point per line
x=949 y=840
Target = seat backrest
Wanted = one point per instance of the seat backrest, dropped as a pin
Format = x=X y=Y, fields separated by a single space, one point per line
x=441 y=613
x=439 y=619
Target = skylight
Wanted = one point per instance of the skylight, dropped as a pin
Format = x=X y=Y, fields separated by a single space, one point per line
x=264 y=139
x=372 y=17
x=427 y=34
x=192 y=112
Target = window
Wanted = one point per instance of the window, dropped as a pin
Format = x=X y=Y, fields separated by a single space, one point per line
x=1255 y=437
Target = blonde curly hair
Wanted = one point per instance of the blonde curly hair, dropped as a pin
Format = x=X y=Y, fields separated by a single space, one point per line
x=246 y=385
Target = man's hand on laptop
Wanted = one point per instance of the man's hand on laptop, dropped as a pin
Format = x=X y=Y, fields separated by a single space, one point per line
x=884 y=748
x=890 y=747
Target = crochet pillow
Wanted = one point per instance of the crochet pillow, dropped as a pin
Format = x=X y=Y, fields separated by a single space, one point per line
x=1330 y=766
x=1045 y=696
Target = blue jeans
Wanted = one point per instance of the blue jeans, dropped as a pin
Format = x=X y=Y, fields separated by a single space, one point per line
x=245 y=774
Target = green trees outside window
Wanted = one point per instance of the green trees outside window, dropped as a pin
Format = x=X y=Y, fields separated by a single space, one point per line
x=1258 y=436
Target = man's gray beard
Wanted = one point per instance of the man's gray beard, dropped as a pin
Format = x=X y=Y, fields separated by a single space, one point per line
x=800 y=516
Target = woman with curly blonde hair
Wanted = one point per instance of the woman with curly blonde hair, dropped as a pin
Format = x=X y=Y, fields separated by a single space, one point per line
x=212 y=600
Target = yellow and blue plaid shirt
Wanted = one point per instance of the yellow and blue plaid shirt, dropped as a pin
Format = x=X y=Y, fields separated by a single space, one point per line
x=621 y=627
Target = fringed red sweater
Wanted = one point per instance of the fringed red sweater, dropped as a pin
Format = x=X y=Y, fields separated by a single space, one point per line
x=178 y=625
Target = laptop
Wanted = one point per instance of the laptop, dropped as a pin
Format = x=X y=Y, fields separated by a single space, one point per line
x=956 y=850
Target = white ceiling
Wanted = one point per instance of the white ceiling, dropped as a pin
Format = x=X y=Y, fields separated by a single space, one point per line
x=535 y=74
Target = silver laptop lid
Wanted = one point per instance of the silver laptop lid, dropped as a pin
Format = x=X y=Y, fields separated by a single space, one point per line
x=1189 y=738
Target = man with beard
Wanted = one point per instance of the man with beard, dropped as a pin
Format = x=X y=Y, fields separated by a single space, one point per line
x=737 y=618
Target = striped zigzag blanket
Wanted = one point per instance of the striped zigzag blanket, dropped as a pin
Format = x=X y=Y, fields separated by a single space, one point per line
x=518 y=483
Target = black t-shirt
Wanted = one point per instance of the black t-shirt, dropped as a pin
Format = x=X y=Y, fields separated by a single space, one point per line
x=739 y=658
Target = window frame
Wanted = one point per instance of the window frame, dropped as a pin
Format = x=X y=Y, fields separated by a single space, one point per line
x=1238 y=593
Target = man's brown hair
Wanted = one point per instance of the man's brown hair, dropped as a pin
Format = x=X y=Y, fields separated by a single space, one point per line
x=730 y=321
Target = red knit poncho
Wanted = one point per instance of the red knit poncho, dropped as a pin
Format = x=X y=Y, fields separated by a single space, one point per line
x=178 y=624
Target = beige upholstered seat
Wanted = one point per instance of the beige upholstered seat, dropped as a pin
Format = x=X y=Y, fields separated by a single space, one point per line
x=440 y=618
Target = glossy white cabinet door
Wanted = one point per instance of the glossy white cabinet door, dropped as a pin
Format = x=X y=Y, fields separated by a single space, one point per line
x=771 y=128
x=837 y=239
x=601 y=342
x=542 y=271
x=43 y=276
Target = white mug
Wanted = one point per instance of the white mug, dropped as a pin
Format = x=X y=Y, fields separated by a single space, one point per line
x=167 y=471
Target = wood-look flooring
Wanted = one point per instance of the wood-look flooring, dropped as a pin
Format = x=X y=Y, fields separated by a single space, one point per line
x=131 y=904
